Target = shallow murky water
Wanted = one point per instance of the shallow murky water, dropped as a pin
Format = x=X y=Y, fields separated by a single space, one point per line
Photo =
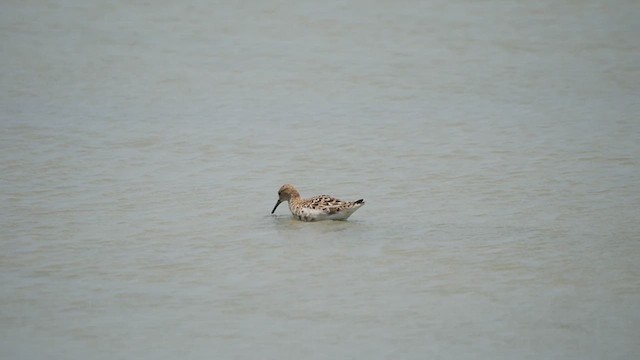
x=496 y=145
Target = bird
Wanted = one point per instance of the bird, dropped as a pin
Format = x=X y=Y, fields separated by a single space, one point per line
x=321 y=207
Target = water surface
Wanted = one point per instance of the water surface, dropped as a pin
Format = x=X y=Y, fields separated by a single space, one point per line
x=496 y=145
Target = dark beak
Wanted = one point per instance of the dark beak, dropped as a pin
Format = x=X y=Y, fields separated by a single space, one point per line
x=274 y=208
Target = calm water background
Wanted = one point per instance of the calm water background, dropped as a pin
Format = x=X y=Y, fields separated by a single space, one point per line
x=496 y=143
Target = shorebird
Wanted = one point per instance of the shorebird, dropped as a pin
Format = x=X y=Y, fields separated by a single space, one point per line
x=321 y=207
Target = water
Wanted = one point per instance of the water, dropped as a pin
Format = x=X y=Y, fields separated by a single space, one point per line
x=496 y=145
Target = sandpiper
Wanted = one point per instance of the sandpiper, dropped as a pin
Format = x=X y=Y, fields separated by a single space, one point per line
x=321 y=207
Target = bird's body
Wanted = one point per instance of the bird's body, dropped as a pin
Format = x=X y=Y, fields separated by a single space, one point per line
x=321 y=207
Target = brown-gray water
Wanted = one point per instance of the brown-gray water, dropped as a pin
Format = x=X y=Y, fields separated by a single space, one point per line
x=495 y=142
